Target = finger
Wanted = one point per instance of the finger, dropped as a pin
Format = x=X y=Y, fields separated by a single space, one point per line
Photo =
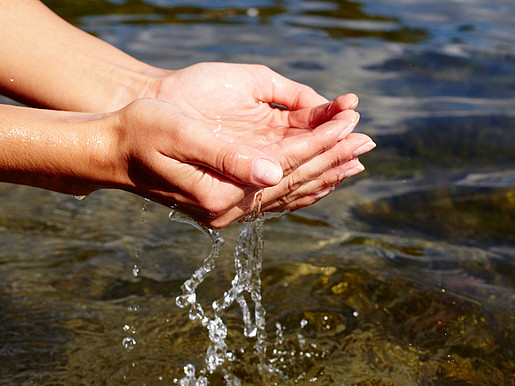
x=340 y=154
x=286 y=92
x=171 y=182
x=294 y=151
x=315 y=116
x=300 y=197
x=237 y=162
x=190 y=141
x=316 y=189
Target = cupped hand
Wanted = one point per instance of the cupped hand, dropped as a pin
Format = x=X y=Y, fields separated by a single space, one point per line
x=174 y=159
x=255 y=106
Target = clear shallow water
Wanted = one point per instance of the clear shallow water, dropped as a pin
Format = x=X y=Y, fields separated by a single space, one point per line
x=404 y=275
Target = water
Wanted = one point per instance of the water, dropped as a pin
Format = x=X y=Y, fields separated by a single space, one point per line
x=247 y=281
x=403 y=275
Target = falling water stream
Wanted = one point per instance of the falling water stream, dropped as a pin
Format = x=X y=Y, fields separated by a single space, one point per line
x=246 y=285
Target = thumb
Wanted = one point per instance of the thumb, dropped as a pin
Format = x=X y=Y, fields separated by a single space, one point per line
x=195 y=144
x=241 y=163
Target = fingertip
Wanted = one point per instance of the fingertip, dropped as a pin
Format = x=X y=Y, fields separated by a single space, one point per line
x=347 y=101
x=266 y=172
x=353 y=168
x=353 y=118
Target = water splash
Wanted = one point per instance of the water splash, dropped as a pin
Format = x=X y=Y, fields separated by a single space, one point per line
x=246 y=282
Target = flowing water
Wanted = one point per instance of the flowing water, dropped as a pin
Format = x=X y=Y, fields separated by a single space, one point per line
x=403 y=275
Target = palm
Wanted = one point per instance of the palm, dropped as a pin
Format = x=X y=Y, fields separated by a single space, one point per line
x=229 y=99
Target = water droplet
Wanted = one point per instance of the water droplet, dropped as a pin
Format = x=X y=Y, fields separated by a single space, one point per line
x=135 y=271
x=80 y=197
x=128 y=343
x=355 y=314
x=12 y=80
x=303 y=323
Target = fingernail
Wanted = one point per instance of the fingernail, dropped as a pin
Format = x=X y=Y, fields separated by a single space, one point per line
x=364 y=148
x=355 y=101
x=325 y=192
x=266 y=172
x=353 y=171
x=350 y=127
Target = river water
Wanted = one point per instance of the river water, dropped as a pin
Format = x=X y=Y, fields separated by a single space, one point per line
x=403 y=275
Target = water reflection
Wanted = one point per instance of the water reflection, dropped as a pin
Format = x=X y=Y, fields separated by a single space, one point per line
x=339 y=19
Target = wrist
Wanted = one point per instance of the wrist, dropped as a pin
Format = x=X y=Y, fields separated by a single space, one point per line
x=151 y=83
x=127 y=85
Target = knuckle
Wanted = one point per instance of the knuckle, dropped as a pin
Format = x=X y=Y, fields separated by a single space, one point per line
x=331 y=179
x=215 y=205
x=226 y=162
x=294 y=182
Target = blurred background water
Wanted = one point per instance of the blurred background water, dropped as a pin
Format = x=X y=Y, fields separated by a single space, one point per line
x=403 y=275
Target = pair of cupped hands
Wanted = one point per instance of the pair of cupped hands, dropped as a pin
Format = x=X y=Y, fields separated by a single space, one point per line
x=220 y=141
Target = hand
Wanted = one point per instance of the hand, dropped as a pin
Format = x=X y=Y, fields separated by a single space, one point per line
x=167 y=156
x=237 y=103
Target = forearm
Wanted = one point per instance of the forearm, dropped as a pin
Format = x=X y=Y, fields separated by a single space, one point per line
x=55 y=150
x=47 y=62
